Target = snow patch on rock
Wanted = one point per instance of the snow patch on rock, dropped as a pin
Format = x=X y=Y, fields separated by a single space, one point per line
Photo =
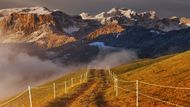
x=101 y=15
x=117 y=36
x=86 y=16
x=113 y=10
x=98 y=44
x=128 y=13
x=71 y=29
x=39 y=10
x=154 y=31
x=31 y=10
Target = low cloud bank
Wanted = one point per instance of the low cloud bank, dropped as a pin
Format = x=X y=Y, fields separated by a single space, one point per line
x=18 y=70
x=113 y=56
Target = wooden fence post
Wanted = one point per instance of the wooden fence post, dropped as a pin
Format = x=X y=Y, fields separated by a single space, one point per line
x=71 y=82
x=65 y=87
x=54 y=91
x=86 y=76
x=80 y=78
x=30 y=96
x=116 y=86
x=137 y=93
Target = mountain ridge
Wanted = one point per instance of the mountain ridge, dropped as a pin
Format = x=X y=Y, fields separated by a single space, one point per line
x=39 y=24
x=148 y=19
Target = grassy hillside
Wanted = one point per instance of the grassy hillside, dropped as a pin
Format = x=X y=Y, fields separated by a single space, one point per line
x=173 y=70
x=41 y=95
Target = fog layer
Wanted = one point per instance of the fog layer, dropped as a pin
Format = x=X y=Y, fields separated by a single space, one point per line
x=17 y=70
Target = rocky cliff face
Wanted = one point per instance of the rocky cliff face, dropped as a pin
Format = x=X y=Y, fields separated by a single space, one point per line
x=107 y=29
x=42 y=26
x=26 y=23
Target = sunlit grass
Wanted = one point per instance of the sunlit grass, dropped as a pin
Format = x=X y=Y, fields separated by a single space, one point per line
x=172 y=70
x=41 y=95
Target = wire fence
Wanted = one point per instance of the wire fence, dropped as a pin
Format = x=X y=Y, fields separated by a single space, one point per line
x=45 y=94
x=38 y=96
x=137 y=92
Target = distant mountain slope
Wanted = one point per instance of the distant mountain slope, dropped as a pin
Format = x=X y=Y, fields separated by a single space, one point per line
x=148 y=42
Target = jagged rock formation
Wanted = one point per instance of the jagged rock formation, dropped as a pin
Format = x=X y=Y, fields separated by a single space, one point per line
x=45 y=27
x=129 y=17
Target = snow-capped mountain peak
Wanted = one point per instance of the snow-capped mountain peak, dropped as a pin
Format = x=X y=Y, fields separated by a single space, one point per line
x=113 y=11
x=31 y=10
x=128 y=13
x=85 y=15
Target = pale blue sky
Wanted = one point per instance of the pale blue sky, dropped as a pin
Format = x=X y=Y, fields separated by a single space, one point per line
x=164 y=8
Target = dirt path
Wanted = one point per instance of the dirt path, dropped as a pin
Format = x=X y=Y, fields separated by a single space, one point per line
x=90 y=94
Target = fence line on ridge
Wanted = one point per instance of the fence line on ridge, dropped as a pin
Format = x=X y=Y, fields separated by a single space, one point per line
x=136 y=92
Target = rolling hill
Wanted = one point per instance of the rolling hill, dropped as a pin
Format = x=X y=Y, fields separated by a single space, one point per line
x=170 y=70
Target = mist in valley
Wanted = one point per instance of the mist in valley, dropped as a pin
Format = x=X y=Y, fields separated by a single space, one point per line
x=19 y=69
x=111 y=56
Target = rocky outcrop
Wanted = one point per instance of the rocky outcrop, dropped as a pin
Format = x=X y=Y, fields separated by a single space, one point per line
x=42 y=26
x=43 y=29
x=185 y=21
x=108 y=29
x=26 y=23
